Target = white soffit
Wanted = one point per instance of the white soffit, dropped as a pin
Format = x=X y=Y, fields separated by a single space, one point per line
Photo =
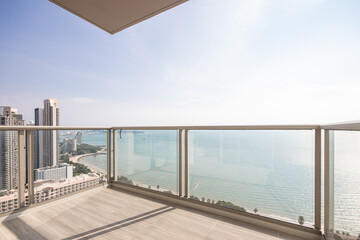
x=115 y=15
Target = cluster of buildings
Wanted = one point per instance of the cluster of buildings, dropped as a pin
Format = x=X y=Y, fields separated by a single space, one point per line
x=46 y=152
x=48 y=171
x=46 y=190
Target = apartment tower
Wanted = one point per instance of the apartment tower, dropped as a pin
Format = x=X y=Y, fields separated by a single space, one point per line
x=8 y=148
x=46 y=142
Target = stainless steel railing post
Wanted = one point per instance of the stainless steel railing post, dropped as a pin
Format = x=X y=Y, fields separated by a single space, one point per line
x=114 y=152
x=108 y=148
x=21 y=168
x=186 y=168
x=30 y=165
x=180 y=164
x=329 y=183
x=317 y=178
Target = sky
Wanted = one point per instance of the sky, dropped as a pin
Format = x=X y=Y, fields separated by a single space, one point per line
x=205 y=62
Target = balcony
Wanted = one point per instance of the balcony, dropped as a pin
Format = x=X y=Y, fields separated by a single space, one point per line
x=188 y=182
x=198 y=182
x=103 y=213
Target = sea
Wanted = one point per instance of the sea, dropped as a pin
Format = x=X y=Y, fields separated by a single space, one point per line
x=270 y=171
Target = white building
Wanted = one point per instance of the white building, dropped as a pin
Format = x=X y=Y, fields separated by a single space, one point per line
x=46 y=190
x=62 y=171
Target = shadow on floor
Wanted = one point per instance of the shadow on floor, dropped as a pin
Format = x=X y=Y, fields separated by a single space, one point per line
x=120 y=224
x=22 y=230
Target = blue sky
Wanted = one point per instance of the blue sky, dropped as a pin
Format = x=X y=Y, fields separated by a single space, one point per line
x=204 y=62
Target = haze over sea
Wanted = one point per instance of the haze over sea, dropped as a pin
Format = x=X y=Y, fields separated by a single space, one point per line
x=272 y=171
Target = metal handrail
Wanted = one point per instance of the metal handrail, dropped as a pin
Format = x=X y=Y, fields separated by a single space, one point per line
x=15 y=128
x=354 y=125
x=222 y=127
x=351 y=126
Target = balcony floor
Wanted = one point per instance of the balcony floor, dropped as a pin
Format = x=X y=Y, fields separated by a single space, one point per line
x=103 y=213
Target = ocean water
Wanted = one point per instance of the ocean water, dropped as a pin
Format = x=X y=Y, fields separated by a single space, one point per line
x=272 y=171
x=96 y=138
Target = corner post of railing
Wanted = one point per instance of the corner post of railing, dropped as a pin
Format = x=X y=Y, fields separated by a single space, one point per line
x=329 y=183
x=21 y=168
x=115 y=167
x=30 y=165
x=108 y=154
x=186 y=166
x=317 y=177
x=180 y=163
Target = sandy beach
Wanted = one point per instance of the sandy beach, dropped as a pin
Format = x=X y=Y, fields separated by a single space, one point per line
x=77 y=159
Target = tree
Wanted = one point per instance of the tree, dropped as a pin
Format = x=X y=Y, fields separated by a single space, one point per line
x=158 y=186
x=230 y=205
x=209 y=200
x=301 y=220
x=124 y=179
x=86 y=148
x=255 y=210
x=194 y=198
x=203 y=199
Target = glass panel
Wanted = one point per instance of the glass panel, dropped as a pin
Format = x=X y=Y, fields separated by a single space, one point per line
x=68 y=161
x=149 y=159
x=91 y=150
x=270 y=173
x=8 y=171
x=346 y=184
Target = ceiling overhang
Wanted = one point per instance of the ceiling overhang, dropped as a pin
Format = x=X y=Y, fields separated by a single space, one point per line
x=115 y=15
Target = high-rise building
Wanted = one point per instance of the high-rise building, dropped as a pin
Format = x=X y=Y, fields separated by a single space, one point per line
x=78 y=138
x=8 y=148
x=68 y=146
x=46 y=142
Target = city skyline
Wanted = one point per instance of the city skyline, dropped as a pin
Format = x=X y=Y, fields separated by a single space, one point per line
x=203 y=63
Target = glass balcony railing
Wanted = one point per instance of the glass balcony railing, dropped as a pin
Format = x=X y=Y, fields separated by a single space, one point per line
x=43 y=163
x=269 y=173
x=343 y=196
x=67 y=161
x=265 y=171
x=148 y=159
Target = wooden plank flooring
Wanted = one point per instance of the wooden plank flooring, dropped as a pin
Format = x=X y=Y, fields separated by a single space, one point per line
x=103 y=213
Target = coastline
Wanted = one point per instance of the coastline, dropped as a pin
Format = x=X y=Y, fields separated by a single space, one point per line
x=77 y=159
